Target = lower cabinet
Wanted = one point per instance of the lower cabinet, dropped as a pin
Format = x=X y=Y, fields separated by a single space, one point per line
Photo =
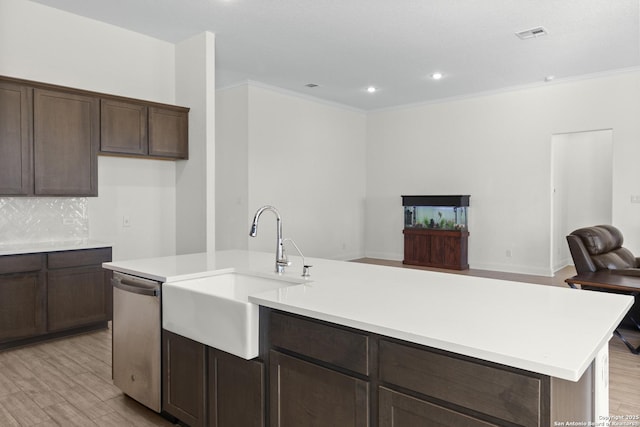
x=305 y=394
x=53 y=294
x=183 y=378
x=400 y=410
x=236 y=390
x=22 y=297
x=78 y=289
x=386 y=382
x=203 y=386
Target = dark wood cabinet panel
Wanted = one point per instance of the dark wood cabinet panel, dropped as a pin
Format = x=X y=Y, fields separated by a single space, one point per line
x=400 y=410
x=39 y=301
x=304 y=394
x=436 y=248
x=79 y=258
x=510 y=396
x=183 y=378
x=76 y=297
x=169 y=132
x=411 y=385
x=16 y=175
x=205 y=386
x=339 y=347
x=236 y=391
x=66 y=136
x=123 y=127
x=20 y=263
x=22 y=306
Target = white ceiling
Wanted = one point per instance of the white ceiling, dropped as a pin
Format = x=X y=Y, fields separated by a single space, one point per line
x=346 y=45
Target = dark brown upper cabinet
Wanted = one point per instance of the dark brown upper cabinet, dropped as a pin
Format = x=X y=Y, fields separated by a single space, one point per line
x=136 y=128
x=169 y=132
x=123 y=127
x=65 y=141
x=16 y=175
x=50 y=136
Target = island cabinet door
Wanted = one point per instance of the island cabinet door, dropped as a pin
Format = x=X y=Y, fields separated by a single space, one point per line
x=183 y=378
x=400 y=410
x=305 y=394
x=236 y=391
x=470 y=386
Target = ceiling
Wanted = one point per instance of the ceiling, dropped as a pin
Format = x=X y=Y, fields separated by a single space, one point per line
x=344 y=46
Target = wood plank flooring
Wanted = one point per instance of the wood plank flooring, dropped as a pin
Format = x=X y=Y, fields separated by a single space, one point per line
x=67 y=382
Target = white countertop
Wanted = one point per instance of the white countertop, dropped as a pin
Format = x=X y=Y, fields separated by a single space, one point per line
x=54 y=246
x=550 y=330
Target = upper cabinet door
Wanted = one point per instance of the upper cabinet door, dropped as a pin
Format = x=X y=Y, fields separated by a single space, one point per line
x=15 y=139
x=169 y=132
x=66 y=137
x=123 y=127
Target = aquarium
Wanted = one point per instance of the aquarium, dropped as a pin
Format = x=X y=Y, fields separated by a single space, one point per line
x=435 y=212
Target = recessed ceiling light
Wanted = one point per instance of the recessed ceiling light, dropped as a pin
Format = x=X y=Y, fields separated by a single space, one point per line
x=371 y=89
x=311 y=85
x=549 y=78
x=436 y=76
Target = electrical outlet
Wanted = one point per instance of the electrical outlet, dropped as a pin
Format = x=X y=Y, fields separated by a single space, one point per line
x=508 y=253
x=126 y=221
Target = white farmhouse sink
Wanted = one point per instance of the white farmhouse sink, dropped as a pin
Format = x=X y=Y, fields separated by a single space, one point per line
x=216 y=311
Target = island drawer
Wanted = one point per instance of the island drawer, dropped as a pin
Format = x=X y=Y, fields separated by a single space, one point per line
x=10 y=264
x=78 y=258
x=398 y=409
x=321 y=341
x=503 y=394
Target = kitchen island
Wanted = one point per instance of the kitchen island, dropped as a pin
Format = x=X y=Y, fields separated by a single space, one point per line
x=518 y=354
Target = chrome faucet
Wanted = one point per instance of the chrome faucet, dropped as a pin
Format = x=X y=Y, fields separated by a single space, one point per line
x=281 y=258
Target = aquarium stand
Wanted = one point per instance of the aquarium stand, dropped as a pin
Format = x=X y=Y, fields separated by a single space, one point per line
x=436 y=248
x=435 y=231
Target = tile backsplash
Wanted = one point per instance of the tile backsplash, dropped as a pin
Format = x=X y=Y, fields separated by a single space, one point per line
x=36 y=220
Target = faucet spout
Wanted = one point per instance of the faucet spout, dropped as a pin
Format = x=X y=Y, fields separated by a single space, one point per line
x=281 y=258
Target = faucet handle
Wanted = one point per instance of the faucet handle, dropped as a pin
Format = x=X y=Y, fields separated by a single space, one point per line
x=305 y=270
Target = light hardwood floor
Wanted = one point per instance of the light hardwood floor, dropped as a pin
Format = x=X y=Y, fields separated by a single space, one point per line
x=67 y=382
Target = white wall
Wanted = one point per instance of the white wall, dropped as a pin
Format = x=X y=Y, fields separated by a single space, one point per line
x=195 y=184
x=496 y=148
x=142 y=190
x=232 y=175
x=304 y=157
x=47 y=45
x=317 y=162
x=582 y=186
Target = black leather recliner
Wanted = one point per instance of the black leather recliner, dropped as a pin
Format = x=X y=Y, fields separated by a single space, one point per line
x=600 y=248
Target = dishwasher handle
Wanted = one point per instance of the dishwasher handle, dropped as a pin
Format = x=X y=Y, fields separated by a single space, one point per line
x=134 y=287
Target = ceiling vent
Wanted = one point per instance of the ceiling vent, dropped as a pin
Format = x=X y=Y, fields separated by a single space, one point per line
x=532 y=33
x=311 y=85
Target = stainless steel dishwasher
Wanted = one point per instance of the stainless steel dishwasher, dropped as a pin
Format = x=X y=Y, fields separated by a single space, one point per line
x=136 y=338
